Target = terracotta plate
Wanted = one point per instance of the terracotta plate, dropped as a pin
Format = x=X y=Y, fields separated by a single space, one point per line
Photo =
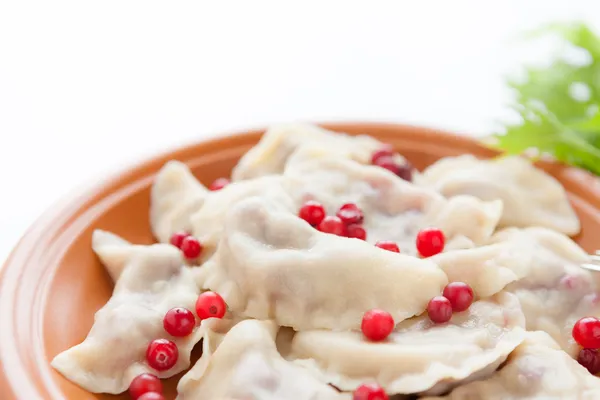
x=52 y=284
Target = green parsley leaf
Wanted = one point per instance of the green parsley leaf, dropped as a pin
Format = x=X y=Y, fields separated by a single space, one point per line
x=560 y=104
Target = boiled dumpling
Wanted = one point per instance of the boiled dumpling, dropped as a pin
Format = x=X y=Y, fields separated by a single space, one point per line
x=537 y=369
x=271 y=153
x=270 y=264
x=176 y=194
x=152 y=282
x=394 y=209
x=212 y=332
x=207 y=222
x=554 y=291
x=530 y=196
x=487 y=269
x=113 y=251
x=419 y=356
x=247 y=366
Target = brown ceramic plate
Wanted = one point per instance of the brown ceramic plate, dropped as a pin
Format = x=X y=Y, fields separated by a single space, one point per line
x=52 y=284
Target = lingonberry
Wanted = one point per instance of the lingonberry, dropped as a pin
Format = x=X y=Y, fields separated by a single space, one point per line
x=210 y=305
x=179 y=322
x=460 y=295
x=430 y=241
x=312 y=212
x=439 y=309
x=377 y=325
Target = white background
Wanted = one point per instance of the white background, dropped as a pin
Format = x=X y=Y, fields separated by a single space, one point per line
x=89 y=86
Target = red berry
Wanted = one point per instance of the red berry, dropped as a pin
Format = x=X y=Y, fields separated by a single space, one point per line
x=388 y=245
x=460 y=295
x=210 y=305
x=152 y=396
x=377 y=325
x=439 y=309
x=586 y=332
x=430 y=241
x=312 y=212
x=332 y=224
x=405 y=171
x=590 y=359
x=386 y=151
x=356 y=231
x=388 y=163
x=219 y=184
x=144 y=383
x=177 y=238
x=191 y=248
x=350 y=214
x=369 y=391
x=179 y=322
x=162 y=354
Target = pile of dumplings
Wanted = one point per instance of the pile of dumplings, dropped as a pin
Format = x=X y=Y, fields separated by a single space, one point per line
x=296 y=296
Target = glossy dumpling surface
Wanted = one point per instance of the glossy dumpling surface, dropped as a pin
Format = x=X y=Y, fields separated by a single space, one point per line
x=270 y=155
x=418 y=356
x=530 y=196
x=247 y=366
x=537 y=369
x=152 y=282
x=394 y=209
x=270 y=264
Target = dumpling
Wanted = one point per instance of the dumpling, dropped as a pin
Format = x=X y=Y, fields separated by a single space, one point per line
x=554 y=291
x=537 y=369
x=419 y=356
x=270 y=155
x=212 y=331
x=487 y=269
x=207 y=222
x=270 y=264
x=113 y=251
x=247 y=366
x=176 y=194
x=153 y=281
x=530 y=196
x=394 y=209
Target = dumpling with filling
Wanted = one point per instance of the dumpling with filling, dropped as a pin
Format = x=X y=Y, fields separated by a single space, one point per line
x=271 y=153
x=247 y=366
x=537 y=369
x=530 y=196
x=152 y=281
x=419 y=356
x=487 y=269
x=176 y=194
x=555 y=291
x=270 y=264
x=393 y=209
x=207 y=223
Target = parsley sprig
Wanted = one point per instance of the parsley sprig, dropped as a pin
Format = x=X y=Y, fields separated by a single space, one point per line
x=556 y=119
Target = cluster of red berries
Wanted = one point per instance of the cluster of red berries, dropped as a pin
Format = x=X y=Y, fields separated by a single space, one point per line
x=456 y=297
x=378 y=324
x=346 y=222
x=386 y=158
x=188 y=244
x=586 y=333
x=162 y=354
